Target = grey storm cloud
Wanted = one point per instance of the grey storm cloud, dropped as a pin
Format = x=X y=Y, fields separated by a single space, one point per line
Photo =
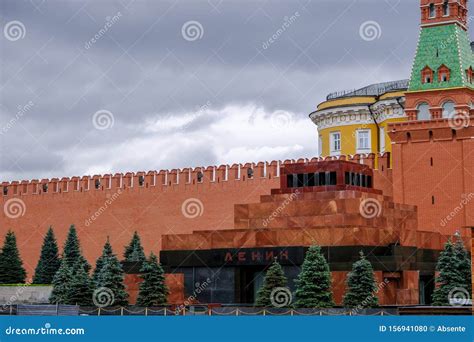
x=248 y=56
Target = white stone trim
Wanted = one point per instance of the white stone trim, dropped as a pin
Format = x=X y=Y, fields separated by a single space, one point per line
x=356 y=115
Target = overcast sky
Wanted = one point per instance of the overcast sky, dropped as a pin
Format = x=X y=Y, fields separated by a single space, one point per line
x=172 y=84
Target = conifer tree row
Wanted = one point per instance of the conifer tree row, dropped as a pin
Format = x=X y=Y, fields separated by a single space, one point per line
x=61 y=284
x=49 y=262
x=274 y=278
x=11 y=265
x=72 y=250
x=81 y=287
x=153 y=289
x=134 y=251
x=109 y=275
x=71 y=283
x=361 y=285
x=107 y=252
x=314 y=282
x=462 y=262
x=454 y=272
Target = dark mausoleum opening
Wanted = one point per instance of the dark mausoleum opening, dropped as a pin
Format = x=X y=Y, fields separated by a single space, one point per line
x=233 y=276
x=325 y=176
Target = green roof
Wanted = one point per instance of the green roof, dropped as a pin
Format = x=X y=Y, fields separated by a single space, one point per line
x=447 y=45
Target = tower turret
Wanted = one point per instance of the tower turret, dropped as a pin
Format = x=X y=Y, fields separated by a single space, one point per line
x=440 y=12
x=432 y=152
x=442 y=78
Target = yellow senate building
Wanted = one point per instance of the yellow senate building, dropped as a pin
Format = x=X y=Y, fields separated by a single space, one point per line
x=355 y=121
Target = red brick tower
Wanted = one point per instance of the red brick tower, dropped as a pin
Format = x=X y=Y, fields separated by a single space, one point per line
x=433 y=153
x=442 y=80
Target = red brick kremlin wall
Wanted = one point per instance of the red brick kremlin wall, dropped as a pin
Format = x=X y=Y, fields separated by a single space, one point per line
x=434 y=169
x=121 y=205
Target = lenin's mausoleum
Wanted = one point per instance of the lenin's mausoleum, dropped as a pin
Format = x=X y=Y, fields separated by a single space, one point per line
x=395 y=179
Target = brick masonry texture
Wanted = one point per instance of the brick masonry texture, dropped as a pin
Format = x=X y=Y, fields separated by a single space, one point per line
x=434 y=169
x=151 y=210
x=324 y=218
x=121 y=205
x=425 y=189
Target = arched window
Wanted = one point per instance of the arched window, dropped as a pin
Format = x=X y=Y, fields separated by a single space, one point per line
x=446 y=8
x=444 y=74
x=448 y=109
x=423 y=111
x=432 y=11
x=470 y=75
x=426 y=75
